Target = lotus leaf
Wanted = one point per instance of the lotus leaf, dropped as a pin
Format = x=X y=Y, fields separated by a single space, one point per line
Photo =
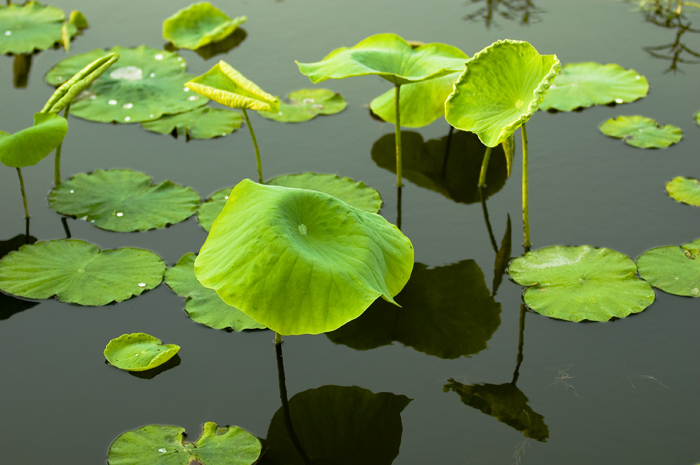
x=684 y=190
x=204 y=305
x=673 y=269
x=79 y=272
x=306 y=104
x=581 y=85
x=697 y=118
x=9 y=305
x=581 y=283
x=32 y=26
x=300 y=261
x=198 y=25
x=500 y=89
x=145 y=85
x=123 y=200
x=165 y=445
x=138 y=352
x=641 y=132
x=202 y=123
x=31 y=145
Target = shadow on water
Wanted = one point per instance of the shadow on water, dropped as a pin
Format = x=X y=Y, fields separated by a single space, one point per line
x=216 y=48
x=153 y=372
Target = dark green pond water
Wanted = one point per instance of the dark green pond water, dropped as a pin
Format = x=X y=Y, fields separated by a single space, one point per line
x=624 y=392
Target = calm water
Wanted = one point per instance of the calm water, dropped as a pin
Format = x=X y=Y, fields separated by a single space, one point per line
x=620 y=392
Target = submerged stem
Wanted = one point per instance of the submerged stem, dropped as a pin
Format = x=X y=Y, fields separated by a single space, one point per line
x=484 y=167
x=521 y=343
x=57 y=161
x=255 y=144
x=526 y=210
x=492 y=238
x=24 y=195
x=397 y=131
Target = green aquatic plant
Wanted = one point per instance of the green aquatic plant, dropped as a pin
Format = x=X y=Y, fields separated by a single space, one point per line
x=202 y=123
x=198 y=25
x=32 y=27
x=684 y=190
x=305 y=105
x=138 y=352
x=673 y=269
x=641 y=132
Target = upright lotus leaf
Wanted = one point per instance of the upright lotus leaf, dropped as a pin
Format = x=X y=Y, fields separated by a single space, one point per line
x=300 y=261
x=581 y=283
x=338 y=425
x=582 y=85
x=31 y=145
x=204 y=305
x=684 y=190
x=641 y=132
x=75 y=24
x=202 y=123
x=138 y=352
x=30 y=27
x=79 y=272
x=145 y=85
x=673 y=269
x=501 y=88
x=123 y=200
x=305 y=105
x=198 y=25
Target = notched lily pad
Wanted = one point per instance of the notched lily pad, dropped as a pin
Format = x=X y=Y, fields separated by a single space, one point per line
x=673 y=269
x=138 y=352
x=684 y=190
x=198 y=25
x=305 y=105
x=123 y=200
x=202 y=123
x=31 y=27
x=641 y=132
x=79 y=272
x=581 y=283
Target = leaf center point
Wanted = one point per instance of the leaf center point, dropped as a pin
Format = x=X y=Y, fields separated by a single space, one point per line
x=302 y=229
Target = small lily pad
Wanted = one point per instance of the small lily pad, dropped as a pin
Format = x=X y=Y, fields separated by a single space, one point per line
x=79 y=272
x=123 y=200
x=202 y=123
x=204 y=305
x=198 y=25
x=581 y=85
x=673 y=269
x=641 y=132
x=138 y=352
x=32 y=26
x=305 y=105
x=581 y=283
x=31 y=145
x=684 y=190
x=697 y=118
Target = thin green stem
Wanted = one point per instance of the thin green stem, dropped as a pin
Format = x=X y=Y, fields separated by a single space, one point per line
x=57 y=160
x=521 y=343
x=24 y=194
x=526 y=210
x=397 y=131
x=255 y=144
x=484 y=167
x=398 y=207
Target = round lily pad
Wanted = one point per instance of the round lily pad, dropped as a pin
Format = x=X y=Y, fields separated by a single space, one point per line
x=581 y=283
x=641 y=132
x=79 y=272
x=581 y=85
x=204 y=305
x=305 y=105
x=123 y=200
x=143 y=85
x=198 y=25
x=138 y=352
x=673 y=269
x=31 y=145
x=32 y=26
x=684 y=190
x=202 y=123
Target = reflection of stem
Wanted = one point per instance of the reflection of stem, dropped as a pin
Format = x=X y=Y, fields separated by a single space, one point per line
x=20 y=69
x=398 y=207
x=255 y=144
x=26 y=230
x=57 y=161
x=482 y=197
x=66 y=229
x=397 y=130
x=521 y=342
x=24 y=194
x=526 y=211
x=448 y=146
x=484 y=167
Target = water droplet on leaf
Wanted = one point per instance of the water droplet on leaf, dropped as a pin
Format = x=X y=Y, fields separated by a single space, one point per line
x=8 y=33
x=128 y=73
x=142 y=284
x=119 y=214
x=112 y=102
x=128 y=105
x=159 y=56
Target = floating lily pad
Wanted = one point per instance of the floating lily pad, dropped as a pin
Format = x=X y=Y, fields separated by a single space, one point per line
x=673 y=269
x=300 y=261
x=204 y=305
x=123 y=200
x=581 y=85
x=697 y=118
x=684 y=190
x=9 y=305
x=143 y=86
x=79 y=272
x=166 y=445
x=641 y=132
x=305 y=105
x=30 y=27
x=202 y=123
x=138 y=352
x=198 y=25
x=31 y=145
x=581 y=283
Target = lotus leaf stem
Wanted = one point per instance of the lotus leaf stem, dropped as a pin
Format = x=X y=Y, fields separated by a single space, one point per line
x=57 y=161
x=397 y=130
x=255 y=144
x=482 y=198
x=24 y=194
x=484 y=167
x=526 y=211
x=398 y=207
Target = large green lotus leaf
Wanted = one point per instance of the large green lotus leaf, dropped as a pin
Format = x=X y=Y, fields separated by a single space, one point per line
x=672 y=269
x=355 y=193
x=501 y=88
x=9 y=305
x=506 y=403
x=204 y=305
x=306 y=104
x=454 y=174
x=79 y=272
x=31 y=145
x=581 y=85
x=388 y=56
x=29 y=27
x=165 y=445
x=641 y=132
x=301 y=261
x=684 y=190
x=202 y=123
x=581 y=283
x=446 y=311
x=138 y=352
x=145 y=85
x=123 y=200
x=225 y=85
x=198 y=25
x=338 y=425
